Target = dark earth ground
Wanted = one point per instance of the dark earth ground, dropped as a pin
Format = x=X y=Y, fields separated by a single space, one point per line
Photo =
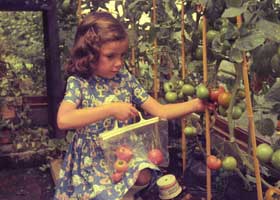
x=30 y=183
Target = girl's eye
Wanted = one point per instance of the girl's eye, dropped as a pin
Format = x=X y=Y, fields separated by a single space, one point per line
x=110 y=56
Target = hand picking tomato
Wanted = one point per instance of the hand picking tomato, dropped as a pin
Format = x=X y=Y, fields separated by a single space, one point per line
x=156 y=156
x=215 y=92
x=116 y=177
x=121 y=166
x=213 y=162
x=123 y=152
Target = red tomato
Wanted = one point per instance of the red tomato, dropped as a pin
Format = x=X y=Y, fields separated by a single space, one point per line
x=156 y=156
x=116 y=177
x=123 y=152
x=121 y=166
x=215 y=92
x=213 y=162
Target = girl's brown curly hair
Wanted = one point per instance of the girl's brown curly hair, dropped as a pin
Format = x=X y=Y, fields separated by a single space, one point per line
x=94 y=30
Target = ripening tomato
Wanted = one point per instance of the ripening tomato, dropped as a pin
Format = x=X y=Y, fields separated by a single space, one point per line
x=224 y=99
x=272 y=193
x=213 y=162
x=121 y=166
x=215 y=92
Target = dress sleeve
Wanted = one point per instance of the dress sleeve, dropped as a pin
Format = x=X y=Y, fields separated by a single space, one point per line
x=73 y=90
x=139 y=94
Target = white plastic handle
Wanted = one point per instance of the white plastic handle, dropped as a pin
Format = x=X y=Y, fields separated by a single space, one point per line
x=116 y=126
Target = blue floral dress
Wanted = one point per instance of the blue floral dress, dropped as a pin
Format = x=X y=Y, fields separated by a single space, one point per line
x=84 y=173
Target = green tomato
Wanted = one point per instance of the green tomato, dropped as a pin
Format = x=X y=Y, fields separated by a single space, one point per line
x=264 y=152
x=188 y=89
x=222 y=111
x=190 y=131
x=171 y=97
x=168 y=86
x=275 y=159
x=236 y=112
x=211 y=34
x=242 y=105
x=229 y=163
x=202 y=91
x=180 y=95
x=180 y=84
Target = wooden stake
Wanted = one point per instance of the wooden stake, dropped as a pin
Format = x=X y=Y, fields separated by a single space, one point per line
x=251 y=119
x=79 y=10
x=155 y=66
x=207 y=115
x=184 y=142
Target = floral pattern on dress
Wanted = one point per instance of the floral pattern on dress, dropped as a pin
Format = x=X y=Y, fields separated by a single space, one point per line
x=84 y=174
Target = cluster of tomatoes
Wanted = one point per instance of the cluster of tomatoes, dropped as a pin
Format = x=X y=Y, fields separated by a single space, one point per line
x=266 y=154
x=124 y=154
x=215 y=163
x=220 y=97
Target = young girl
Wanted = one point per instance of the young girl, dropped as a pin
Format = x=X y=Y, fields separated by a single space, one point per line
x=99 y=91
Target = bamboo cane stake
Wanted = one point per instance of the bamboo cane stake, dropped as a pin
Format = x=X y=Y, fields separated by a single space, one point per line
x=79 y=10
x=183 y=62
x=155 y=67
x=251 y=119
x=207 y=115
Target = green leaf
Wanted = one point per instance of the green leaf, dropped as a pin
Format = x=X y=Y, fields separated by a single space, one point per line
x=265 y=126
x=233 y=12
x=250 y=41
x=236 y=55
x=269 y=29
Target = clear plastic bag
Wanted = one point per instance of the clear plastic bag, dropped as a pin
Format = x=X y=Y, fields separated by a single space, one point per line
x=143 y=140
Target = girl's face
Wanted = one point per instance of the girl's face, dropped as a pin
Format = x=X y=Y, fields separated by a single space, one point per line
x=111 y=58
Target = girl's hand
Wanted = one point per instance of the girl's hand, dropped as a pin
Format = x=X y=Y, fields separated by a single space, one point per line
x=123 y=111
x=200 y=105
